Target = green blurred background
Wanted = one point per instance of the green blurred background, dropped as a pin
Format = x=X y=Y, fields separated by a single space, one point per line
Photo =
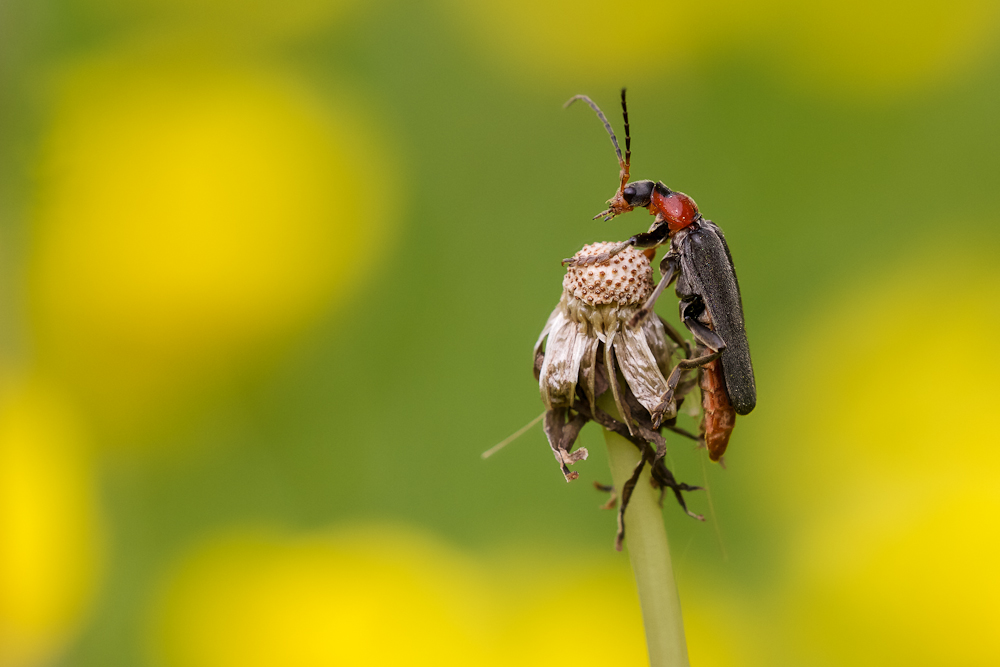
x=270 y=274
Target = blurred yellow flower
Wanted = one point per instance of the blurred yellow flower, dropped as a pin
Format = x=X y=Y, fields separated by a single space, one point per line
x=578 y=614
x=888 y=456
x=386 y=595
x=722 y=630
x=876 y=391
x=365 y=598
x=50 y=531
x=872 y=48
x=883 y=47
x=229 y=19
x=578 y=41
x=907 y=576
x=189 y=218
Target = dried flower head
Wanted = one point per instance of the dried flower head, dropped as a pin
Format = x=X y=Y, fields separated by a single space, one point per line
x=589 y=345
x=588 y=333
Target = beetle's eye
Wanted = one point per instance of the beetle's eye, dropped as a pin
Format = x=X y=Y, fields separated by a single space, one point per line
x=628 y=193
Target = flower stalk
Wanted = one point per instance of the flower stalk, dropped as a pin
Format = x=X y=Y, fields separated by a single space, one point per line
x=649 y=553
x=594 y=363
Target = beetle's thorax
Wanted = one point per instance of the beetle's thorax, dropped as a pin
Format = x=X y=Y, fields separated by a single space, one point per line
x=677 y=209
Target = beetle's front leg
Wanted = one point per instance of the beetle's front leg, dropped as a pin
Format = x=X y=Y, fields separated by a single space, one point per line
x=656 y=235
x=602 y=257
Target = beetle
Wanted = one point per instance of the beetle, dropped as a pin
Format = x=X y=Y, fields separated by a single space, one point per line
x=711 y=306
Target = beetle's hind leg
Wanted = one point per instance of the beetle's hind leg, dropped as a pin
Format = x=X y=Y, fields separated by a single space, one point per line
x=675 y=376
x=704 y=336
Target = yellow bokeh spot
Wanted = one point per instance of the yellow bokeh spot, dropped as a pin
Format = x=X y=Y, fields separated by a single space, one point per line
x=590 y=40
x=722 y=630
x=577 y=617
x=895 y=380
x=189 y=217
x=910 y=581
x=882 y=47
x=230 y=20
x=364 y=598
x=50 y=533
x=862 y=49
x=882 y=438
x=386 y=595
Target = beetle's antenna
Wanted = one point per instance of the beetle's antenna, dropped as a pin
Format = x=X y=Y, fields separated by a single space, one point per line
x=628 y=144
x=607 y=126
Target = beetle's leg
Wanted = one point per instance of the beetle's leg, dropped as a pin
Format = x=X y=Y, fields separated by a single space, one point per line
x=684 y=433
x=684 y=387
x=603 y=257
x=656 y=235
x=704 y=335
x=669 y=271
x=675 y=376
x=682 y=342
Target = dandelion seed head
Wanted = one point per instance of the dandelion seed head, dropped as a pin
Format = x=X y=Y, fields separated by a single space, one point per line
x=590 y=284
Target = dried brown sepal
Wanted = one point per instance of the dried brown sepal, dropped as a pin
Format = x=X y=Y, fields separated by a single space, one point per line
x=664 y=479
x=644 y=426
x=627 y=488
x=562 y=435
x=613 y=495
x=661 y=476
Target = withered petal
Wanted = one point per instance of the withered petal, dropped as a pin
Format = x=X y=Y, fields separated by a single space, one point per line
x=553 y=425
x=662 y=348
x=640 y=367
x=588 y=371
x=547 y=327
x=561 y=367
x=609 y=365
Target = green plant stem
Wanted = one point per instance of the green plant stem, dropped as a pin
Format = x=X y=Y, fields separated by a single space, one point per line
x=646 y=540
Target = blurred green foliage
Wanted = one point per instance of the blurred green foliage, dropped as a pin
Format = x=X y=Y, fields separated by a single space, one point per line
x=852 y=166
